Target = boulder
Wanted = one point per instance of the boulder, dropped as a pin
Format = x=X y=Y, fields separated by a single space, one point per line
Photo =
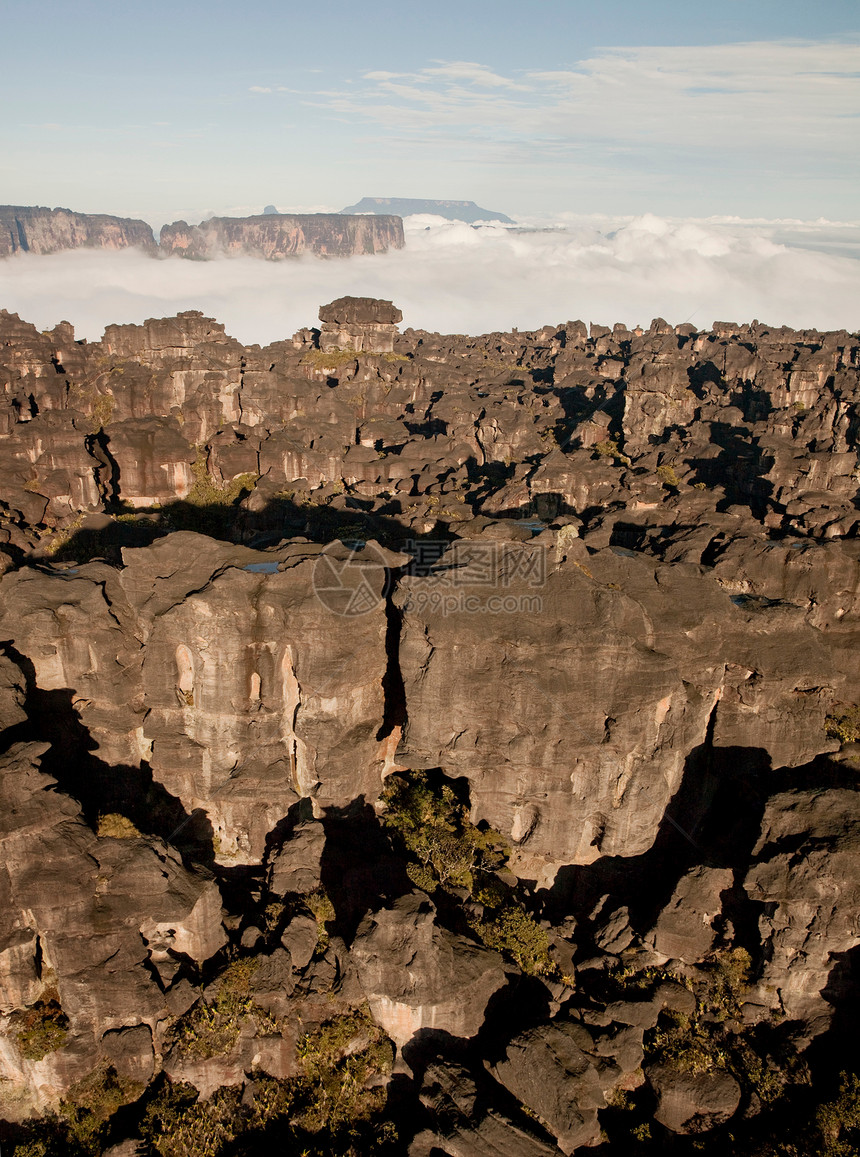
x=418 y=976
x=684 y=929
x=805 y=878
x=295 y=866
x=693 y=1102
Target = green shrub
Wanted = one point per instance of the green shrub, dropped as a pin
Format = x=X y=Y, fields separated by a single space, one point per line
x=178 y=1124
x=91 y=1103
x=512 y=930
x=667 y=476
x=434 y=827
x=207 y=492
x=115 y=826
x=699 y=1043
x=35 y=1148
x=340 y=1060
x=838 y=1121
x=40 y=1030
x=609 y=448
x=321 y=908
x=322 y=360
x=102 y=412
x=728 y=975
x=446 y=850
x=845 y=726
x=328 y=1108
x=211 y=1028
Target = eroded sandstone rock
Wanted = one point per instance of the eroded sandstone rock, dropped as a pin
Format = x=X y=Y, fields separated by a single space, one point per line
x=362 y=324
x=87 y=923
x=804 y=878
x=693 y=1102
x=31 y=229
x=418 y=976
x=274 y=235
x=615 y=599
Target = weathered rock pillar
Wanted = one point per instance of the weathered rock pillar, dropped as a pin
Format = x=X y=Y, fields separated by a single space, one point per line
x=362 y=324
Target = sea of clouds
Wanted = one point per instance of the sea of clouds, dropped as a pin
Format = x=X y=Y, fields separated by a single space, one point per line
x=454 y=278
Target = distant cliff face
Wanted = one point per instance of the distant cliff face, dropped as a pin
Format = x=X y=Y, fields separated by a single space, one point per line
x=283 y=235
x=466 y=211
x=28 y=229
x=35 y=229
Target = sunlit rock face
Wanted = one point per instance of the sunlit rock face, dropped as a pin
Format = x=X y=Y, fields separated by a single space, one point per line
x=419 y=977
x=38 y=230
x=220 y=668
x=804 y=876
x=362 y=324
x=31 y=229
x=276 y=235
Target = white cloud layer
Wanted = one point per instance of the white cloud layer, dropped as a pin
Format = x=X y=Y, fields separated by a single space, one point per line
x=456 y=279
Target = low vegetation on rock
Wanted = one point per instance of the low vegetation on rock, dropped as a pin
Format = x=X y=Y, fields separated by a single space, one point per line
x=40 y=1030
x=430 y=821
x=211 y=1028
x=844 y=725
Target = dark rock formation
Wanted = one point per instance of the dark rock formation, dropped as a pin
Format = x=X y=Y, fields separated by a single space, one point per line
x=693 y=1103
x=274 y=235
x=404 y=206
x=418 y=976
x=600 y=589
x=362 y=324
x=35 y=229
x=454 y=1100
x=563 y=1075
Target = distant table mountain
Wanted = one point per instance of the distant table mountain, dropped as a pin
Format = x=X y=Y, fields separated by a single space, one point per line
x=405 y=206
x=37 y=229
x=274 y=235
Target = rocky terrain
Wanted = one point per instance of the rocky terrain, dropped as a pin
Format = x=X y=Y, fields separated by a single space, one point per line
x=270 y=235
x=429 y=745
x=405 y=206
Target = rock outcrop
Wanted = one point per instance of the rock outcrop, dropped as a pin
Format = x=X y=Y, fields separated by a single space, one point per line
x=419 y=977
x=362 y=324
x=37 y=230
x=34 y=229
x=275 y=235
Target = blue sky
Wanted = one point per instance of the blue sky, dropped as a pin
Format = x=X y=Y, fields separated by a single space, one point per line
x=746 y=107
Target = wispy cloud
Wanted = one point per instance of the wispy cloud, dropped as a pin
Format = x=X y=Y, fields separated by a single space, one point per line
x=771 y=95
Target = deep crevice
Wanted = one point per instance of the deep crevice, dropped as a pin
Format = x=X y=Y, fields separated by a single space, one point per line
x=393 y=688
